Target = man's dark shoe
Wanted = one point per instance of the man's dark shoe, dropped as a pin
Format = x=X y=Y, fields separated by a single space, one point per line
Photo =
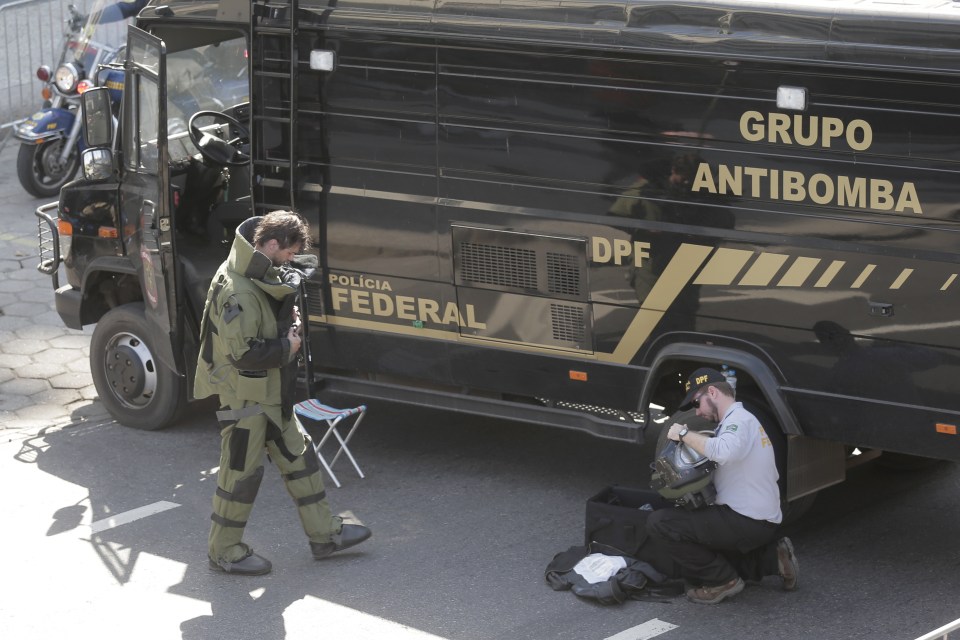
x=252 y=565
x=349 y=536
x=787 y=564
x=713 y=595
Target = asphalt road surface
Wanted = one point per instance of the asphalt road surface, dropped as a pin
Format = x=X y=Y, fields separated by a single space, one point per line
x=105 y=537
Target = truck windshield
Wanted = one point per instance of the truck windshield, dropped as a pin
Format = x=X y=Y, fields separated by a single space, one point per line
x=211 y=77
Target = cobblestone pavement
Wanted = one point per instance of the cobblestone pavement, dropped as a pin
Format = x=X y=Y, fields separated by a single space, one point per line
x=44 y=367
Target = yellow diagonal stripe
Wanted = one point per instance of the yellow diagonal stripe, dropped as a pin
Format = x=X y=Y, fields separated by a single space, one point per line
x=763 y=269
x=678 y=273
x=863 y=276
x=830 y=273
x=723 y=267
x=901 y=278
x=798 y=272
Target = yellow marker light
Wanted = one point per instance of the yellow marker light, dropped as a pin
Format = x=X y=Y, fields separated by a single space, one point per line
x=65 y=228
x=107 y=232
x=580 y=376
x=949 y=429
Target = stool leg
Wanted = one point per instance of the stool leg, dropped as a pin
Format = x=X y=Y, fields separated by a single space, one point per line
x=344 y=441
x=326 y=467
x=344 y=449
x=316 y=447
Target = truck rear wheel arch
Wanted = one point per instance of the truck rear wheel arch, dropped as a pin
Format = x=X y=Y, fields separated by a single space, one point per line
x=757 y=380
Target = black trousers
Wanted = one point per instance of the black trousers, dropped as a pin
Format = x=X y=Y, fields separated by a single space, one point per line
x=715 y=544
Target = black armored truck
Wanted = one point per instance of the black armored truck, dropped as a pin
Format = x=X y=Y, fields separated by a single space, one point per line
x=545 y=211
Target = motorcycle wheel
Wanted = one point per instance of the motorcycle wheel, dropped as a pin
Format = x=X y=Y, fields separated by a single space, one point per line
x=40 y=171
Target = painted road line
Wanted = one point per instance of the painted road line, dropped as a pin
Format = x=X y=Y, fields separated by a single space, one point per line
x=313 y=617
x=131 y=516
x=645 y=631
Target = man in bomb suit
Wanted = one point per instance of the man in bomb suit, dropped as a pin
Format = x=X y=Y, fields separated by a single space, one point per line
x=250 y=339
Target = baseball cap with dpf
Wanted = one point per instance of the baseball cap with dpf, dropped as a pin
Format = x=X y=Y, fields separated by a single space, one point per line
x=699 y=379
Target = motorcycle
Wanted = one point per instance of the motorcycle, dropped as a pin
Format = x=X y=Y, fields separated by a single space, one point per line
x=51 y=138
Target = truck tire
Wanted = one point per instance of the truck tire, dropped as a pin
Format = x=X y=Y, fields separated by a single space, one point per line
x=136 y=388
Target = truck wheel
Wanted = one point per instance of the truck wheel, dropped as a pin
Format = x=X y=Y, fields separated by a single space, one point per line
x=136 y=388
x=40 y=171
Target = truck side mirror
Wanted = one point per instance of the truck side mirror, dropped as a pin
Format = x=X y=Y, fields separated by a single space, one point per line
x=97 y=117
x=97 y=164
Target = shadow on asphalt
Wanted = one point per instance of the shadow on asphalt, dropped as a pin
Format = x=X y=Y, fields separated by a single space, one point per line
x=466 y=513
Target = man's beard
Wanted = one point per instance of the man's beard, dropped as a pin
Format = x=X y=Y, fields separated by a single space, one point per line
x=714 y=415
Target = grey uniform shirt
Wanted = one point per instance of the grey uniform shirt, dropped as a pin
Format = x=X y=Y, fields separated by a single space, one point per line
x=746 y=477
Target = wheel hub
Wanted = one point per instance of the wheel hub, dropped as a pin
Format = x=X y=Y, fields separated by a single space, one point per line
x=125 y=372
x=50 y=160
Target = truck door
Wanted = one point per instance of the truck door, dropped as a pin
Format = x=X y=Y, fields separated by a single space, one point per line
x=144 y=201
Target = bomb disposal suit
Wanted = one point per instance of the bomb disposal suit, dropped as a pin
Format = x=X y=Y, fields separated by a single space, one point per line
x=244 y=359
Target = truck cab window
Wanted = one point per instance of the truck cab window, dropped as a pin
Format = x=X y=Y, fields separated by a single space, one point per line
x=206 y=78
x=212 y=190
x=147 y=129
x=140 y=126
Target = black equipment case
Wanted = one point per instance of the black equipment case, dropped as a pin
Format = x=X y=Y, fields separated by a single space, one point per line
x=617 y=517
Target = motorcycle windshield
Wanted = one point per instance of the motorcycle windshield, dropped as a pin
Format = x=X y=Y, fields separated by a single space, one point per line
x=102 y=34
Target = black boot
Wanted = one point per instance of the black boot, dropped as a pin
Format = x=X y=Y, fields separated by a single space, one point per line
x=251 y=565
x=350 y=535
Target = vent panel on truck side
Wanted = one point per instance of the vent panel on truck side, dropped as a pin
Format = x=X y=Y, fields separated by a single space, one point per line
x=523 y=288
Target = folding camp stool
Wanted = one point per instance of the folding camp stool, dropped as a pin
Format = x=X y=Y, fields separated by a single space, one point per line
x=315 y=410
